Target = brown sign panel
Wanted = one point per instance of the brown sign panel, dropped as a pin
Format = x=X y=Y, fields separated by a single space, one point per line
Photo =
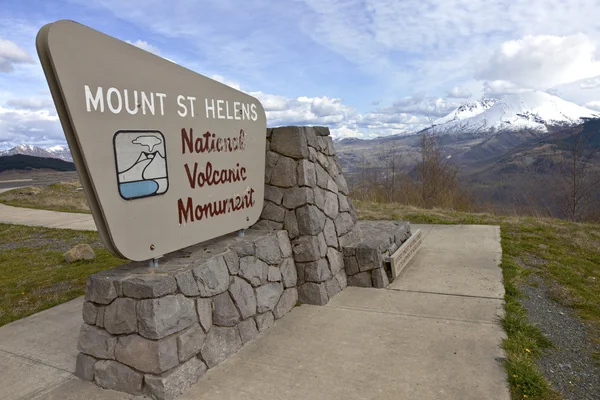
x=167 y=157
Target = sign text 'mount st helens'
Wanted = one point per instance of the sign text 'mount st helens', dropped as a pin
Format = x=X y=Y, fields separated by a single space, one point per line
x=168 y=158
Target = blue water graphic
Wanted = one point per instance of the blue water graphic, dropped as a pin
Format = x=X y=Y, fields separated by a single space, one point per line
x=132 y=190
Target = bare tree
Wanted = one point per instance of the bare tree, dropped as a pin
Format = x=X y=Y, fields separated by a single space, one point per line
x=578 y=178
x=393 y=171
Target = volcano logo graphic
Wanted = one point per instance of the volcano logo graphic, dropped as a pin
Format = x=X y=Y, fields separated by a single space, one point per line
x=141 y=160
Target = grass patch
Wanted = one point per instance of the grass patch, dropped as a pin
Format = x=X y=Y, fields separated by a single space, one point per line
x=33 y=272
x=64 y=196
x=563 y=253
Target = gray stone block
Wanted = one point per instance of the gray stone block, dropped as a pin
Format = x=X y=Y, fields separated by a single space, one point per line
x=253 y=270
x=266 y=225
x=343 y=223
x=321 y=130
x=264 y=321
x=317 y=271
x=289 y=275
x=336 y=260
x=311 y=136
x=84 y=367
x=220 y=343
x=284 y=244
x=351 y=265
x=322 y=177
x=149 y=286
x=313 y=293
x=187 y=283
x=290 y=224
x=330 y=149
x=306 y=248
x=333 y=287
x=154 y=356
x=116 y=376
x=267 y=249
x=341 y=278
x=100 y=289
x=274 y=274
x=243 y=248
x=161 y=317
x=100 y=317
x=212 y=277
x=248 y=330
x=322 y=244
x=362 y=279
x=380 y=278
x=290 y=141
x=174 y=383
x=273 y=212
x=204 y=310
x=225 y=312
x=312 y=154
x=310 y=220
x=288 y=300
x=233 y=262
x=89 y=312
x=298 y=196
x=330 y=234
x=189 y=342
x=341 y=184
x=343 y=202
x=284 y=173
x=307 y=176
x=267 y=296
x=271 y=159
x=243 y=296
x=331 y=205
x=96 y=342
x=320 y=197
x=121 y=316
x=273 y=194
x=368 y=258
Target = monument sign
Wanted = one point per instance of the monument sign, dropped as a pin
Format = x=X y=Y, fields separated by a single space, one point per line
x=168 y=158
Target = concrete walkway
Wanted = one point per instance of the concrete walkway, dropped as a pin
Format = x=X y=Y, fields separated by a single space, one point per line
x=48 y=219
x=433 y=334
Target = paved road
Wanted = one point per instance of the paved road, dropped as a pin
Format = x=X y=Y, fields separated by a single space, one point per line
x=49 y=219
x=434 y=333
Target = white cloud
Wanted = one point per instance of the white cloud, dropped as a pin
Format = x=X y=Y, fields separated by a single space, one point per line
x=31 y=103
x=142 y=44
x=593 y=105
x=219 y=78
x=11 y=54
x=19 y=126
x=543 y=61
x=458 y=93
x=420 y=105
x=590 y=83
x=501 y=88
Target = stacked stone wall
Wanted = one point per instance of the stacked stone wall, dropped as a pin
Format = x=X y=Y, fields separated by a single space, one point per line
x=307 y=195
x=156 y=332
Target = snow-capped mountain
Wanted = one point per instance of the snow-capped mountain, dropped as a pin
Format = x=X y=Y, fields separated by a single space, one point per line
x=60 y=152
x=533 y=111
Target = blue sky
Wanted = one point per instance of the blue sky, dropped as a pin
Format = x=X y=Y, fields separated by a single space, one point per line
x=363 y=68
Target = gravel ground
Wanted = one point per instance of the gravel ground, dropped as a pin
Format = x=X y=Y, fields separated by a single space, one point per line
x=568 y=366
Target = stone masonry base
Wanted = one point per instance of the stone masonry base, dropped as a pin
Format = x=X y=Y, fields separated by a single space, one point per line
x=157 y=331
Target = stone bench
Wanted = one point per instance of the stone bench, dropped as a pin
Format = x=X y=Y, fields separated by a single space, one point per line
x=157 y=330
x=366 y=259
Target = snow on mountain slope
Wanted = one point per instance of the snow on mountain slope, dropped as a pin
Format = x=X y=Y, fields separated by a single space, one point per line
x=467 y=110
x=533 y=111
x=60 y=152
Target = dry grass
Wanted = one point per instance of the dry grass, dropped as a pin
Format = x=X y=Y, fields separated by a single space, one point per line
x=63 y=196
